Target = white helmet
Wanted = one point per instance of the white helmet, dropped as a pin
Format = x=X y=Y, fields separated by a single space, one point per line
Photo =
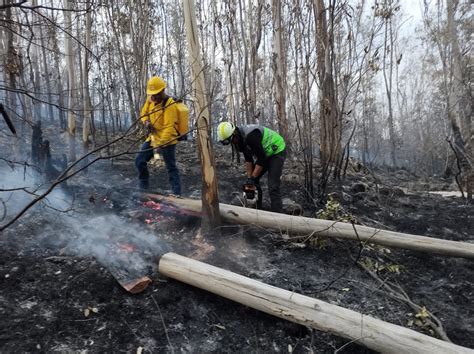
x=224 y=132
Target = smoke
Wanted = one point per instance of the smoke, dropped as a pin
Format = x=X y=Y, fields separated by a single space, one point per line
x=20 y=185
x=119 y=244
x=114 y=242
x=58 y=225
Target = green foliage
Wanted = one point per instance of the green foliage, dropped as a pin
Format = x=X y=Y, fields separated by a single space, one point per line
x=377 y=266
x=421 y=319
x=318 y=242
x=334 y=211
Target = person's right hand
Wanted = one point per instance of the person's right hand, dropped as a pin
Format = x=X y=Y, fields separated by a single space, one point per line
x=252 y=181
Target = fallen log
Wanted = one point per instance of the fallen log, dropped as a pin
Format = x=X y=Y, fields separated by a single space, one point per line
x=365 y=330
x=329 y=229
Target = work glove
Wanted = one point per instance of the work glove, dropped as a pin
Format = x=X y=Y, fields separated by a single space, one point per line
x=252 y=181
x=148 y=127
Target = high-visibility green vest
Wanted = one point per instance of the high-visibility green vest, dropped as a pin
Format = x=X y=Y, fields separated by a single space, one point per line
x=272 y=142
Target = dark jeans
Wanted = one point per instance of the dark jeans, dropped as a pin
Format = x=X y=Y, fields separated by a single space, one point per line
x=274 y=167
x=168 y=154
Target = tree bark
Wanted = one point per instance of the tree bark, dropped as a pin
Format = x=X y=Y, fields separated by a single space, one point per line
x=123 y=64
x=86 y=125
x=227 y=62
x=462 y=128
x=330 y=229
x=72 y=84
x=13 y=67
x=330 y=126
x=47 y=75
x=210 y=199
x=279 y=71
x=388 y=51
x=366 y=330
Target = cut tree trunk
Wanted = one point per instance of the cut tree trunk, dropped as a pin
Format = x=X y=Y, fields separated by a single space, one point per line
x=130 y=282
x=330 y=229
x=371 y=332
x=134 y=286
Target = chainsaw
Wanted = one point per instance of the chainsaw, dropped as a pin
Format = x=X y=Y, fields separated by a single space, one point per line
x=250 y=195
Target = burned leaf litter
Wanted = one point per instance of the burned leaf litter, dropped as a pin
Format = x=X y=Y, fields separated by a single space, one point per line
x=58 y=290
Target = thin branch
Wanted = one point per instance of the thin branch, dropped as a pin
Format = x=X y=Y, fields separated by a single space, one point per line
x=164 y=326
x=396 y=292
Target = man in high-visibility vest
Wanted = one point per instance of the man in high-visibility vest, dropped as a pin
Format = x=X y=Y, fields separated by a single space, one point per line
x=269 y=150
x=160 y=116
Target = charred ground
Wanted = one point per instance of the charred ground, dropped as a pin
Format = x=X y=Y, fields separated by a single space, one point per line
x=54 y=295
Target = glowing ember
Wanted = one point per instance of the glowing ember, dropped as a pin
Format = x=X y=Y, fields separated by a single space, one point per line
x=152 y=219
x=153 y=205
x=126 y=247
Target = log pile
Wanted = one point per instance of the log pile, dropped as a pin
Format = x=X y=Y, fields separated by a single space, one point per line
x=365 y=330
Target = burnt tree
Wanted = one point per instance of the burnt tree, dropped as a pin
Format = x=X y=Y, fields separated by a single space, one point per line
x=210 y=199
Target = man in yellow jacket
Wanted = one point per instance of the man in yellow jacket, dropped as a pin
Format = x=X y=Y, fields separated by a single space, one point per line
x=160 y=117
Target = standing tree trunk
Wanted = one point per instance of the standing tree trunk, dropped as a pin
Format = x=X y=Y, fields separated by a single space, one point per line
x=59 y=83
x=462 y=128
x=255 y=34
x=35 y=76
x=86 y=125
x=227 y=62
x=245 y=74
x=388 y=51
x=13 y=67
x=123 y=64
x=210 y=199
x=47 y=75
x=330 y=126
x=71 y=119
x=279 y=70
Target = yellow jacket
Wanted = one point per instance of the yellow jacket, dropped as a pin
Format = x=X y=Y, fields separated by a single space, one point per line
x=163 y=121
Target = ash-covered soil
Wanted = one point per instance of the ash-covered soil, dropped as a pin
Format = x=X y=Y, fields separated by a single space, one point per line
x=58 y=292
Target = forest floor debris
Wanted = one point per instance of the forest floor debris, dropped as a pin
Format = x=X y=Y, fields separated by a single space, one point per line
x=56 y=296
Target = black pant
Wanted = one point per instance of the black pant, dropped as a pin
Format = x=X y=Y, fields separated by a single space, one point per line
x=274 y=166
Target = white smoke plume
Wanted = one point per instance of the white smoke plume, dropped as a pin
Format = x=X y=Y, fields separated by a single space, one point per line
x=113 y=241
x=29 y=184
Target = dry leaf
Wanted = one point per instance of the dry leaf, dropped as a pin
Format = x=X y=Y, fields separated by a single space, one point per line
x=298 y=245
x=87 y=312
x=94 y=309
x=419 y=323
x=140 y=350
x=423 y=313
x=345 y=289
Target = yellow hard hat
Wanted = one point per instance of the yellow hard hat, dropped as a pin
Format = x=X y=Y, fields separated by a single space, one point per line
x=224 y=132
x=155 y=85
